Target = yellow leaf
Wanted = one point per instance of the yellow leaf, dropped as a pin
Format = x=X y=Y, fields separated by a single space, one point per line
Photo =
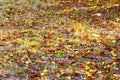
x=58 y=74
x=88 y=74
x=93 y=70
x=45 y=71
x=114 y=63
x=88 y=62
x=6 y=57
x=68 y=77
x=113 y=53
x=53 y=62
x=87 y=68
x=95 y=35
x=62 y=71
x=93 y=7
x=110 y=37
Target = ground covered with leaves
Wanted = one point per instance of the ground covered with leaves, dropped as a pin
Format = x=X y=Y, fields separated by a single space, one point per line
x=59 y=40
